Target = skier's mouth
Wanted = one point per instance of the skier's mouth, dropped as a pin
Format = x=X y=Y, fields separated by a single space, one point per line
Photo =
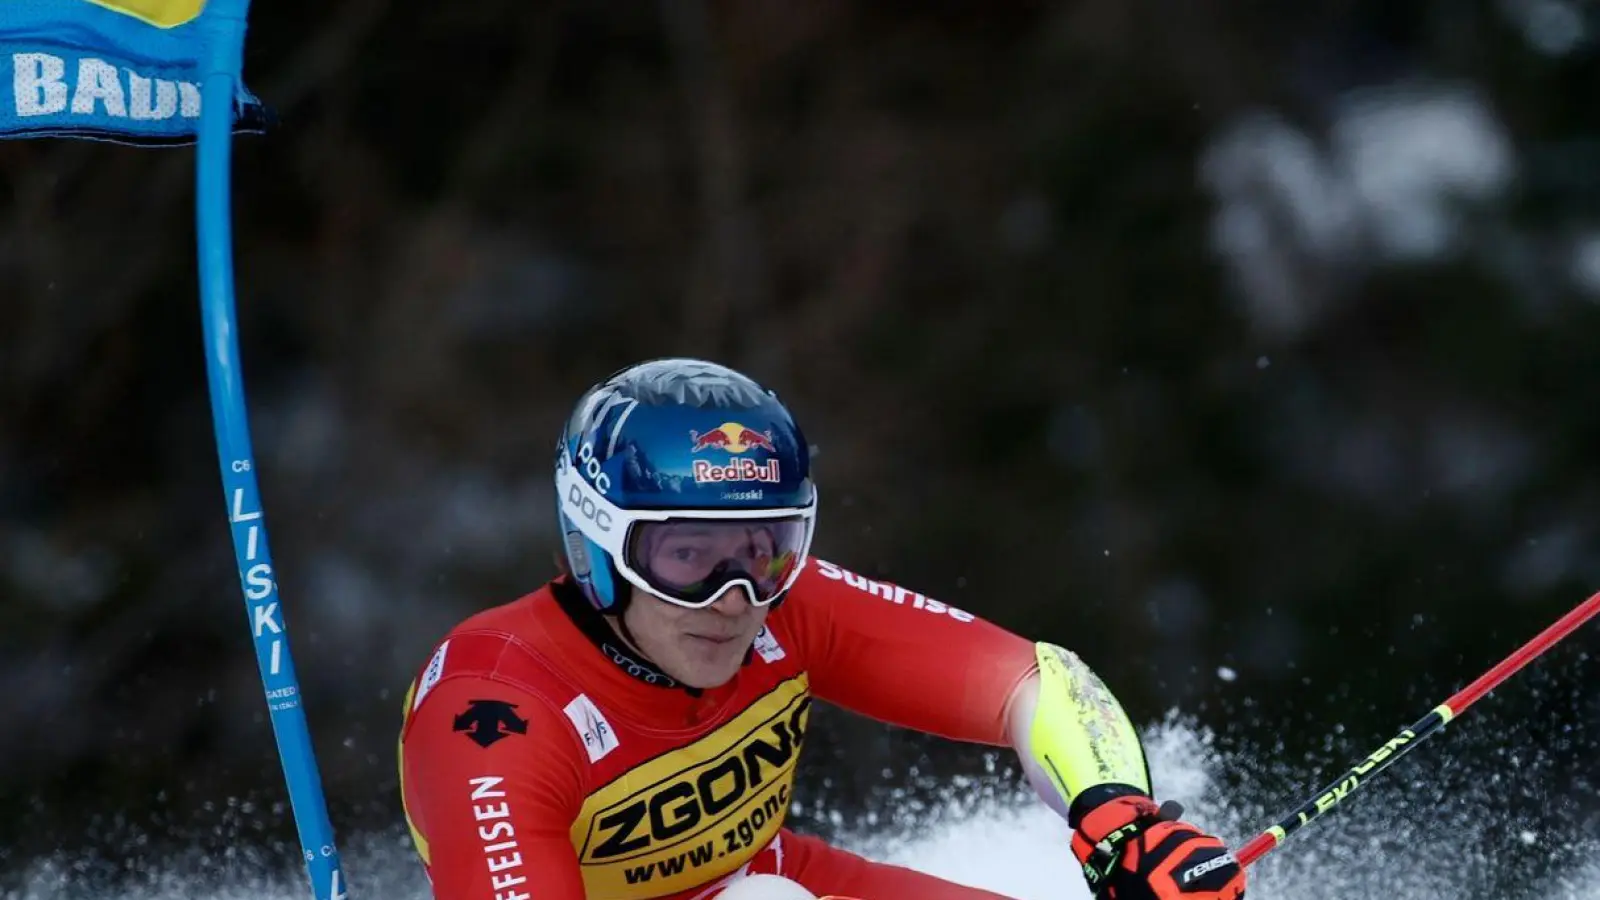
x=713 y=639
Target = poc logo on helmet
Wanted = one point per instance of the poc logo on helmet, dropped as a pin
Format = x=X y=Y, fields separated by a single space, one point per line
x=579 y=502
x=591 y=468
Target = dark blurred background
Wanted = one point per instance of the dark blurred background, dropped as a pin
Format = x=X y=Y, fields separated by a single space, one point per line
x=1250 y=349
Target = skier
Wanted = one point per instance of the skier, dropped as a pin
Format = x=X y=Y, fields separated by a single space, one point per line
x=631 y=729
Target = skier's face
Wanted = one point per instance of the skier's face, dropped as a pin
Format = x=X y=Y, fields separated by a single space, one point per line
x=702 y=648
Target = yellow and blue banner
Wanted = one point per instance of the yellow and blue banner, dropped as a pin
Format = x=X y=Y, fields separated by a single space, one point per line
x=158 y=72
x=121 y=70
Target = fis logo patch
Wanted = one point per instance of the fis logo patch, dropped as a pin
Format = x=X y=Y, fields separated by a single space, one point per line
x=767 y=646
x=598 y=737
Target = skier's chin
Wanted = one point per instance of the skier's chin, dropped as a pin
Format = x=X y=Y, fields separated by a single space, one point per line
x=701 y=648
x=707 y=661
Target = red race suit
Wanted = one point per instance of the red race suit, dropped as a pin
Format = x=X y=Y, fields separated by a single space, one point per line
x=541 y=759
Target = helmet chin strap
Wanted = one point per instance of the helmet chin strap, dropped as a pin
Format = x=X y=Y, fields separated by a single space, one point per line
x=619 y=623
x=618 y=620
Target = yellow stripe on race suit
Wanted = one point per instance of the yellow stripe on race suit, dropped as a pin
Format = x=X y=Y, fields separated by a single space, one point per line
x=1080 y=735
x=400 y=758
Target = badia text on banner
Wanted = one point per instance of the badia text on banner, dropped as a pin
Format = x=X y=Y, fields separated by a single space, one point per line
x=121 y=70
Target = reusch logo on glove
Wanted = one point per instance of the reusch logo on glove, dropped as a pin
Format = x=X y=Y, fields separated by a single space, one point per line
x=1190 y=876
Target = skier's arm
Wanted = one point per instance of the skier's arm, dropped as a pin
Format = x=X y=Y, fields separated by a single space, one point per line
x=900 y=657
x=1070 y=732
x=491 y=816
x=1083 y=757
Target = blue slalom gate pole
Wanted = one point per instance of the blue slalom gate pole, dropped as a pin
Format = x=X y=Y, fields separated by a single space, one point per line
x=214 y=225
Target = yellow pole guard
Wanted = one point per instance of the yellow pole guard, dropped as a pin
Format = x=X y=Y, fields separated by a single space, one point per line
x=1080 y=734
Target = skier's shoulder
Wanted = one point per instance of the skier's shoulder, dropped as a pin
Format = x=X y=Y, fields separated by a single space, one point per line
x=817 y=577
x=826 y=590
x=821 y=580
x=502 y=644
x=806 y=613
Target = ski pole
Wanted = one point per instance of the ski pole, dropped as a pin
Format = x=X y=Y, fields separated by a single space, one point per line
x=1406 y=740
x=220 y=65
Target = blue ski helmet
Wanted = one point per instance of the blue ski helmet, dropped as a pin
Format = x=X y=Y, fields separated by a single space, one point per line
x=685 y=479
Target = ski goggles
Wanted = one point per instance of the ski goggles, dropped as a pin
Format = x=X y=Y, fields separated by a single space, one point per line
x=691 y=558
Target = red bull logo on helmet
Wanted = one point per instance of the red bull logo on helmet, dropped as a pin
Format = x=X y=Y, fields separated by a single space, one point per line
x=734 y=438
x=741 y=469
